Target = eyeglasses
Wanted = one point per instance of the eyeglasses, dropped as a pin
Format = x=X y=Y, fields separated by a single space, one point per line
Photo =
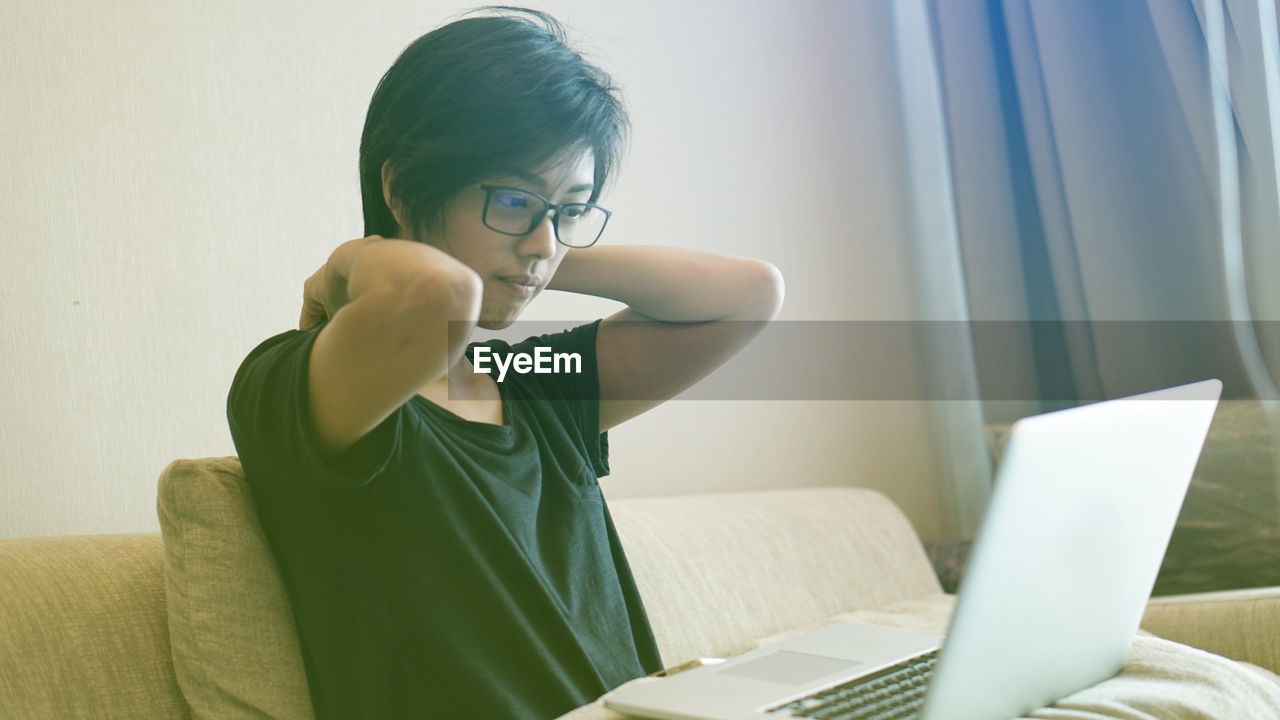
x=516 y=212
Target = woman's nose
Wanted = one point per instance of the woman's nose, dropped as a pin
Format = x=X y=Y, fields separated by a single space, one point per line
x=541 y=241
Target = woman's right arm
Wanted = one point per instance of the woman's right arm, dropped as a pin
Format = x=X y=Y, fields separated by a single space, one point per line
x=389 y=304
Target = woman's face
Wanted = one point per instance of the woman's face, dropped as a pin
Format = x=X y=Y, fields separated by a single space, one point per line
x=514 y=269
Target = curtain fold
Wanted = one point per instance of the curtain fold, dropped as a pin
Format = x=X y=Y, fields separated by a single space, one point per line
x=964 y=470
x=1063 y=172
x=1105 y=148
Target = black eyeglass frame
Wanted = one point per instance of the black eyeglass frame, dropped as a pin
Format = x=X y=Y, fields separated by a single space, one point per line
x=537 y=219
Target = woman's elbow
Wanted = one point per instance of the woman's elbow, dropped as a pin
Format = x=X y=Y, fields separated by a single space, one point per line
x=765 y=291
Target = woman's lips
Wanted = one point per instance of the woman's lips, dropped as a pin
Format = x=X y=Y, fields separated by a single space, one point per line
x=520 y=284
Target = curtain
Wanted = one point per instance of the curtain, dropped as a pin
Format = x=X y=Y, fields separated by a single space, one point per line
x=1064 y=172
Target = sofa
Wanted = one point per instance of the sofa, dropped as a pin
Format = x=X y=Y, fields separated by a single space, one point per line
x=192 y=622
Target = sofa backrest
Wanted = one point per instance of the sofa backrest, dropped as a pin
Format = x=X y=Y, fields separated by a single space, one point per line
x=716 y=572
x=89 y=624
x=719 y=571
x=83 y=632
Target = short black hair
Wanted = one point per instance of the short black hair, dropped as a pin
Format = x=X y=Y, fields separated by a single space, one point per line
x=478 y=97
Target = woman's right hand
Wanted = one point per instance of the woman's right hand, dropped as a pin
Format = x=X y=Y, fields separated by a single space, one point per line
x=388 y=306
x=326 y=290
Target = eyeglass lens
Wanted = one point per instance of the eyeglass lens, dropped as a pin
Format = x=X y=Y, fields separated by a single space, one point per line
x=517 y=213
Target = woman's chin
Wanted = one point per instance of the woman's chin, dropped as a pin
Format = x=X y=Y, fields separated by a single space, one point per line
x=499 y=318
x=495 y=324
x=500 y=312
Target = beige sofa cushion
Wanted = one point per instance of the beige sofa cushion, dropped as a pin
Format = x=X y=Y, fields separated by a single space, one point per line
x=235 y=650
x=1240 y=624
x=717 y=571
x=82 y=629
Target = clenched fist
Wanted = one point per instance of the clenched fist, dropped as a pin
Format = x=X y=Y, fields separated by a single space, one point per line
x=326 y=290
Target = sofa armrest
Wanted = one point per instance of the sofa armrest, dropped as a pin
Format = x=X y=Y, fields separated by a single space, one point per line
x=1239 y=624
x=83 y=630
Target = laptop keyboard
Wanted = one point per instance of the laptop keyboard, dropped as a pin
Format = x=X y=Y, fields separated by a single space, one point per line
x=895 y=693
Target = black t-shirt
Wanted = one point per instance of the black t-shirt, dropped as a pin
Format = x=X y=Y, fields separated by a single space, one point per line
x=473 y=572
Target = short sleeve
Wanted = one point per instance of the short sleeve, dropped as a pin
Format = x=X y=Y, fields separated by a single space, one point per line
x=574 y=396
x=268 y=413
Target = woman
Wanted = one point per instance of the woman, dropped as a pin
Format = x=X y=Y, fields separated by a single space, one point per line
x=433 y=508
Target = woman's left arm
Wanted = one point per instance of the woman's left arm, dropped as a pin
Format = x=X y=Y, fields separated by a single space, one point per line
x=687 y=313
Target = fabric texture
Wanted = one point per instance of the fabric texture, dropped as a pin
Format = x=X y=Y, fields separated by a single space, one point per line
x=829 y=550
x=84 y=633
x=235 y=650
x=1240 y=624
x=82 y=629
x=719 y=570
x=443 y=566
x=1160 y=680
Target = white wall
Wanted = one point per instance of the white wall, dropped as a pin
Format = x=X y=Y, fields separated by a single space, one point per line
x=173 y=171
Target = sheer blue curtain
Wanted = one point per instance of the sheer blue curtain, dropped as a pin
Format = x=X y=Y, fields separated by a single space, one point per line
x=1080 y=170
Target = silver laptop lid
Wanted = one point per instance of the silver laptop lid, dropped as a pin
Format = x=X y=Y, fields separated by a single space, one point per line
x=1085 y=503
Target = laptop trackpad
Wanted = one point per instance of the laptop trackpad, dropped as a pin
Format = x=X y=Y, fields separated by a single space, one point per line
x=790 y=668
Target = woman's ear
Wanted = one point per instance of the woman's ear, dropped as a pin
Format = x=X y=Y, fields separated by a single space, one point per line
x=397 y=212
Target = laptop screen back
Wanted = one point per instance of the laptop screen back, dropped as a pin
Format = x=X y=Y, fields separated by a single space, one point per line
x=1084 y=505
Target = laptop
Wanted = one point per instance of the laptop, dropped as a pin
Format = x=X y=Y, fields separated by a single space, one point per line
x=1084 y=504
